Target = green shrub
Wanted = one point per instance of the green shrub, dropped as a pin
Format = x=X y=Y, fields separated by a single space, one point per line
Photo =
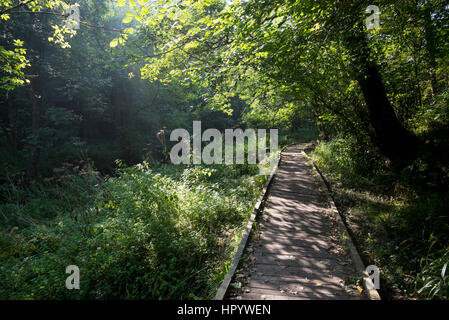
x=433 y=281
x=145 y=236
x=426 y=218
x=348 y=161
x=410 y=229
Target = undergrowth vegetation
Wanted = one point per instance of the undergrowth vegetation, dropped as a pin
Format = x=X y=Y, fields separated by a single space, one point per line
x=147 y=233
x=402 y=229
x=372 y=79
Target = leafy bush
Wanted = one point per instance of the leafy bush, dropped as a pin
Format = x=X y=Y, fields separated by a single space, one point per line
x=305 y=133
x=426 y=219
x=146 y=236
x=353 y=164
x=405 y=232
x=433 y=281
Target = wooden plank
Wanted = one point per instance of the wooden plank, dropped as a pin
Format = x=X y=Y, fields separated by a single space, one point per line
x=295 y=251
x=369 y=289
x=224 y=287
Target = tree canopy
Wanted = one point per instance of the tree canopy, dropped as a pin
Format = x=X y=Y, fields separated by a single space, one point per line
x=88 y=103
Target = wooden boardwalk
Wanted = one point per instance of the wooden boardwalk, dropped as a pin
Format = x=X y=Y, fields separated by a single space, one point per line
x=297 y=255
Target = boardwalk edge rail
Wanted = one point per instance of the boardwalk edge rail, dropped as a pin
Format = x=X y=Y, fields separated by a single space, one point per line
x=368 y=286
x=224 y=287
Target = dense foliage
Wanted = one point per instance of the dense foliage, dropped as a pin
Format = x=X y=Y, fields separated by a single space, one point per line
x=397 y=225
x=75 y=100
x=144 y=234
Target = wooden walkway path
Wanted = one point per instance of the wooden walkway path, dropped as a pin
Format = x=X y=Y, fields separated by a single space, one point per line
x=298 y=255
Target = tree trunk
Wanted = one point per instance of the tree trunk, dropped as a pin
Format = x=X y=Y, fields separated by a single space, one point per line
x=36 y=115
x=431 y=48
x=321 y=128
x=12 y=137
x=392 y=138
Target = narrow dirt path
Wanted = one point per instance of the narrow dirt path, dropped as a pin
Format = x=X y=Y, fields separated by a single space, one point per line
x=298 y=255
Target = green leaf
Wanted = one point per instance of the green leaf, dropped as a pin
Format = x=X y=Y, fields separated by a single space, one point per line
x=18 y=43
x=129 y=30
x=113 y=43
x=144 y=11
x=127 y=19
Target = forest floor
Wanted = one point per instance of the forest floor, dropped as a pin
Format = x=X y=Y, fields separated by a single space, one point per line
x=296 y=252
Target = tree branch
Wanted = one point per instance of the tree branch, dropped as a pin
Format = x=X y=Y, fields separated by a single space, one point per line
x=15 y=7
x=66 y=16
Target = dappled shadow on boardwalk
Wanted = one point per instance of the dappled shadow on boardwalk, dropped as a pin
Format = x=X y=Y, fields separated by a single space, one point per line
x=295 y=258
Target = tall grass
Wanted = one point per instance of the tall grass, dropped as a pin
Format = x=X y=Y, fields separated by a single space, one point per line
x=404 y=231
x=140 y=235
x=433 y=280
